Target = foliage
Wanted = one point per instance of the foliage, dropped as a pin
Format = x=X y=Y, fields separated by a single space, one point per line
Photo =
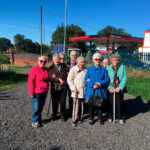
x=113 y=30
x=4 y=60
x=11 y=78
x=27 y=45
x=71 y=31
x=5 y=44
x=119 y=31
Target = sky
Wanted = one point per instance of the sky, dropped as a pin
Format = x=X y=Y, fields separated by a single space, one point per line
x=23 y=16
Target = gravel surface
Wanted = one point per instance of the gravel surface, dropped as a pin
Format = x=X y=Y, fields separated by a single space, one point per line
x=16 y=132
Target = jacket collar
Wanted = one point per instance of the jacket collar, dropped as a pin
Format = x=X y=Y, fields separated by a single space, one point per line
x=96 y=68
x=77 y=68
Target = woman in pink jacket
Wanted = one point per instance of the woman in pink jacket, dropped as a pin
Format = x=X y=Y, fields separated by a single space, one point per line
x=38 y=85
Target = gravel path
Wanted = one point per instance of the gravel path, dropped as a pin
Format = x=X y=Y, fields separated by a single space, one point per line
x=18 y=134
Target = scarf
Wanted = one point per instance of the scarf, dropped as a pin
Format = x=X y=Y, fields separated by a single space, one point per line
x=116 y=78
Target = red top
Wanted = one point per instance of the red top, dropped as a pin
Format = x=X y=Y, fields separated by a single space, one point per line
x=38 y=80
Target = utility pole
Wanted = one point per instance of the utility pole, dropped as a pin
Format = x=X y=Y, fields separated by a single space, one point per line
x=65 y=27
x=41 y=29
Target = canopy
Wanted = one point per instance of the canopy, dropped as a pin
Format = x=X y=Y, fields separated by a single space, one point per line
x=105 y=39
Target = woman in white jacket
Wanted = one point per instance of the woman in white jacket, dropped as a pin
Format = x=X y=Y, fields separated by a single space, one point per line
x=78 y=88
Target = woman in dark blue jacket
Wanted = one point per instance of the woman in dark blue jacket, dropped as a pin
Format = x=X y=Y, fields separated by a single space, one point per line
x=96 y=79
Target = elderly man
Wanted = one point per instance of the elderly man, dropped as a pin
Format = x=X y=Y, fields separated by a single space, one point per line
x=58 y=77
x=71 y=63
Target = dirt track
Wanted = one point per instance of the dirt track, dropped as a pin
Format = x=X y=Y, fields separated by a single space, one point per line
x=18 y=134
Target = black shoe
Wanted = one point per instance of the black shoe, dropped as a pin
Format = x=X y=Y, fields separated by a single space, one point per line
x=91 y=122
x=101 y=122
x=53 y=118
x=63 y=118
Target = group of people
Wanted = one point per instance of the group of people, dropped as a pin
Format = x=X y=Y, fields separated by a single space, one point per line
x=79 y=82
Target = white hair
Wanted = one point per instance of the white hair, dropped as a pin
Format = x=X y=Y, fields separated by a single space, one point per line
x=56 y=55
x=97 y=54
x=61 y=54
x=80 y=59
x=73 y=52
x=42 y=56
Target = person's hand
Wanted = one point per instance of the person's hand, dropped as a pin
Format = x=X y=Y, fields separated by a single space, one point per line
x=75 y=91
x=111 y=90
x=98 y=84
x=61 y=81
x=53 y=76
x=95 y=86
x=117 y=90
x=88 y=79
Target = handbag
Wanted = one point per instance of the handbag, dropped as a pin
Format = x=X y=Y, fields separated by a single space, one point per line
x=96 y=100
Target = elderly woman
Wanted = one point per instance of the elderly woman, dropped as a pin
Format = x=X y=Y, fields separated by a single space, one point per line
x=38 y=85
x=106 y=62
x=77 y=86
x=118 y=79
x=96 y=79
x=58 y=76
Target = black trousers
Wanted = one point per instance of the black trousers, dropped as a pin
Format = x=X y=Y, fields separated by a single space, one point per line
x=91 y=112
x=58 y=97
x=119 y=105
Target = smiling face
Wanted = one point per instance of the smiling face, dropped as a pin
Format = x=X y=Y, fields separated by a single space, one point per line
x=62 y=59
x=105 y=63
x=56 y=61
x=97 y=60
x=73 y=56
x=80 y=64
x=42 y=61
x=115 y=62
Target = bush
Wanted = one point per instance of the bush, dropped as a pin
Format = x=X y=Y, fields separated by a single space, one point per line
x=4 y=60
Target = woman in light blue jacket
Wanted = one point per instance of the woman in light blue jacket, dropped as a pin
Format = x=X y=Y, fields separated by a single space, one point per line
x=118 y=78
x=96 y=79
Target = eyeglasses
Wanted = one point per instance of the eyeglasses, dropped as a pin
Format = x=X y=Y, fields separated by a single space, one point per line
x=97 y=59
x=42 y=61
x=74 y=55
x=62 y=58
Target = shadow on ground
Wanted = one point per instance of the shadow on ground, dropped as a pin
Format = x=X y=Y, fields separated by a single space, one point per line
x=135 y=106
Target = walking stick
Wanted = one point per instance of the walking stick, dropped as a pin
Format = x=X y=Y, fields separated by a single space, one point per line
x=114 y=107
x=75 y=106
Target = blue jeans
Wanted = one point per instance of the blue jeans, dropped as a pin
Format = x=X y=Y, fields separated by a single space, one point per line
x=37 y=103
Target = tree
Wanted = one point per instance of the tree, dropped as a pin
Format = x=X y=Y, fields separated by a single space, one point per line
x=19 y=41
x=71 y=31
x=113 y=30
x=119 y=31
x=5 y=44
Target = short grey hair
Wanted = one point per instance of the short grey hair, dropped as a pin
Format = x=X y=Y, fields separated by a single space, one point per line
x=62 y=54
x=115 y=56
x=56 y=55
x=81 y=58
x=97 y=54
x=42 y=56
x=73 y=52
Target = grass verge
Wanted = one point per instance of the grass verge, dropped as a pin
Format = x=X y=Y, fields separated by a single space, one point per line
x=138 y=83
x=11 y=78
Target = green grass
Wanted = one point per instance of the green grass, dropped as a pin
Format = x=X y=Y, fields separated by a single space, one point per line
x=4 y=60
x=138 y=83
x=11 y=78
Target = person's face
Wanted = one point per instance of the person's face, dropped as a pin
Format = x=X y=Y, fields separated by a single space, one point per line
x=56 y=60
x=62 y=59
x=80 y=64
x=73 y=56
x=42 y=62
x=105 y=63
x=115 y=62
x=97 y=61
